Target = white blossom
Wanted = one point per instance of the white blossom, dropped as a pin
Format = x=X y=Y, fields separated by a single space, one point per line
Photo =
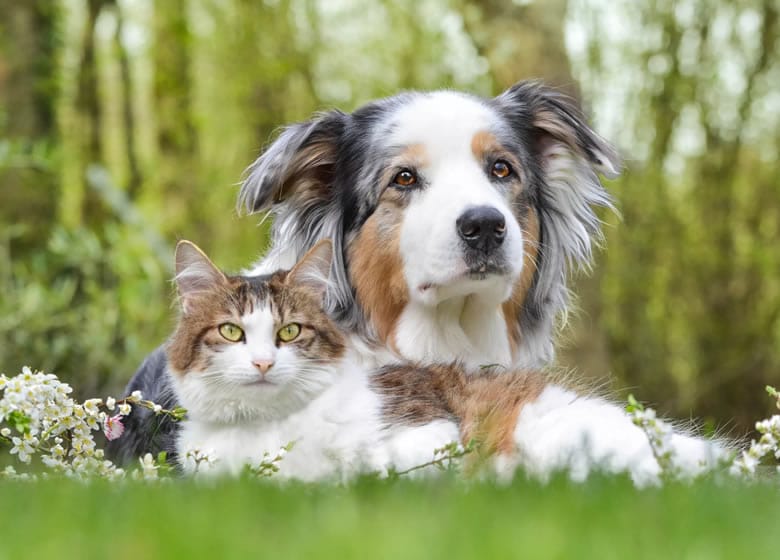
x=24 y=447
x=91 y=406
x=659 y=435
x=196 y=460
x=148 y=468
x=42 y=423
x=147 y=465
x=746 y=462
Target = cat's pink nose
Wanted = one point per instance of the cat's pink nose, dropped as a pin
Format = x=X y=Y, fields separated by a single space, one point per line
x=263 y=365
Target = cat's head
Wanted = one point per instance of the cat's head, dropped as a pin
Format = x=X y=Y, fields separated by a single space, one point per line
x=252 y=346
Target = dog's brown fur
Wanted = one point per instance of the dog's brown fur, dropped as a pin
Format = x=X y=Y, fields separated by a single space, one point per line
x=514 y=304
x=377 y=270
x=486 y=405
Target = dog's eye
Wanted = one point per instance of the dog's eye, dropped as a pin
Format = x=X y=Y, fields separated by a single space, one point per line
x=405 y=178
x=501 y=169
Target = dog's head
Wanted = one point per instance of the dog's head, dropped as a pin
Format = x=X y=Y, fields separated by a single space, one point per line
x=434 y=198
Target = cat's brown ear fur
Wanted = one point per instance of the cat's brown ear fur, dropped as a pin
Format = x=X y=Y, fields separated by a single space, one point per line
x=313 y=270
x=195 y=273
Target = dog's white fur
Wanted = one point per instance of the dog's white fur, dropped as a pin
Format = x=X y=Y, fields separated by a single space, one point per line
x=562 y=430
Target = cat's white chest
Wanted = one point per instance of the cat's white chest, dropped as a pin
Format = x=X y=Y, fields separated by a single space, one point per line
x=334 y=437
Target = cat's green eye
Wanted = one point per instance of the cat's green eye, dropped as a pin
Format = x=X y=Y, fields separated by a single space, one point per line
x=231 y=332
x=289 y=332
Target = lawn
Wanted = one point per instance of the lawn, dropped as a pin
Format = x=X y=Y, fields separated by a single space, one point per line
x=604 y=518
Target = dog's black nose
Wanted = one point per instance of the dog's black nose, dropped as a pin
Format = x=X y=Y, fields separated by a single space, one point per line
x=482 y=228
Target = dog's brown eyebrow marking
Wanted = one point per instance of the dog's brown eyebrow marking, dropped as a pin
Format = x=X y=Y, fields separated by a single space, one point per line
x=485 y=146
x=484 y=142
x=413 y=156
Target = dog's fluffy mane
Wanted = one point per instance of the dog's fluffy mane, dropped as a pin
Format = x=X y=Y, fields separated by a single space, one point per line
x=315 y=181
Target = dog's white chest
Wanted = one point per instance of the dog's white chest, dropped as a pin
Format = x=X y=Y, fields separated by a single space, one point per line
x=427 y=335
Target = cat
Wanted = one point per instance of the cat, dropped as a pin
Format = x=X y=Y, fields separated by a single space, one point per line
x=259 y=364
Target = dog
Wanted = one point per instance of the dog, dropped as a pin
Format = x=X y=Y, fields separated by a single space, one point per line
x=454 y=218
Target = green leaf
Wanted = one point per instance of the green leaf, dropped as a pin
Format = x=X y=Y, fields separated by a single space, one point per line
x=178 y=413
x=19 y=421
x=633 y=404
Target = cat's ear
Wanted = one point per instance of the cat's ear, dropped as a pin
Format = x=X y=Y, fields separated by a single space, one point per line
x=195 y=273
x=313 y=270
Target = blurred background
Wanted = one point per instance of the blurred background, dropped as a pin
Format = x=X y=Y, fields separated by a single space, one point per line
x=125 y=125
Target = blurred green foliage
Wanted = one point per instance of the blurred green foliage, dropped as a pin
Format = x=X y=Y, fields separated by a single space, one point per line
x=86 y=304
x=125 y=125
x=685 y=302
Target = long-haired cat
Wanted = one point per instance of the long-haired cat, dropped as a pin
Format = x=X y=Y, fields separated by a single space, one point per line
x=258 y=363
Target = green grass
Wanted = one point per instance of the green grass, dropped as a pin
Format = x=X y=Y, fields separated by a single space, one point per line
x=405 y=520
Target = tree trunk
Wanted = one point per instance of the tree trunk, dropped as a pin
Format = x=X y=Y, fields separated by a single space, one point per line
x=133 y=169
x=29 y=44
x=176 y=132
x=521 y=41
x=89 y=119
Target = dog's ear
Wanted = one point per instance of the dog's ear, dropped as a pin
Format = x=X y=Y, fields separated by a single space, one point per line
x=300 y=162
x=558 y=127
x=567 y=158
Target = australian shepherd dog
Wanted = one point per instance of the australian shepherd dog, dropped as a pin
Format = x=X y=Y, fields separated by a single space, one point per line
x=454 y=220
